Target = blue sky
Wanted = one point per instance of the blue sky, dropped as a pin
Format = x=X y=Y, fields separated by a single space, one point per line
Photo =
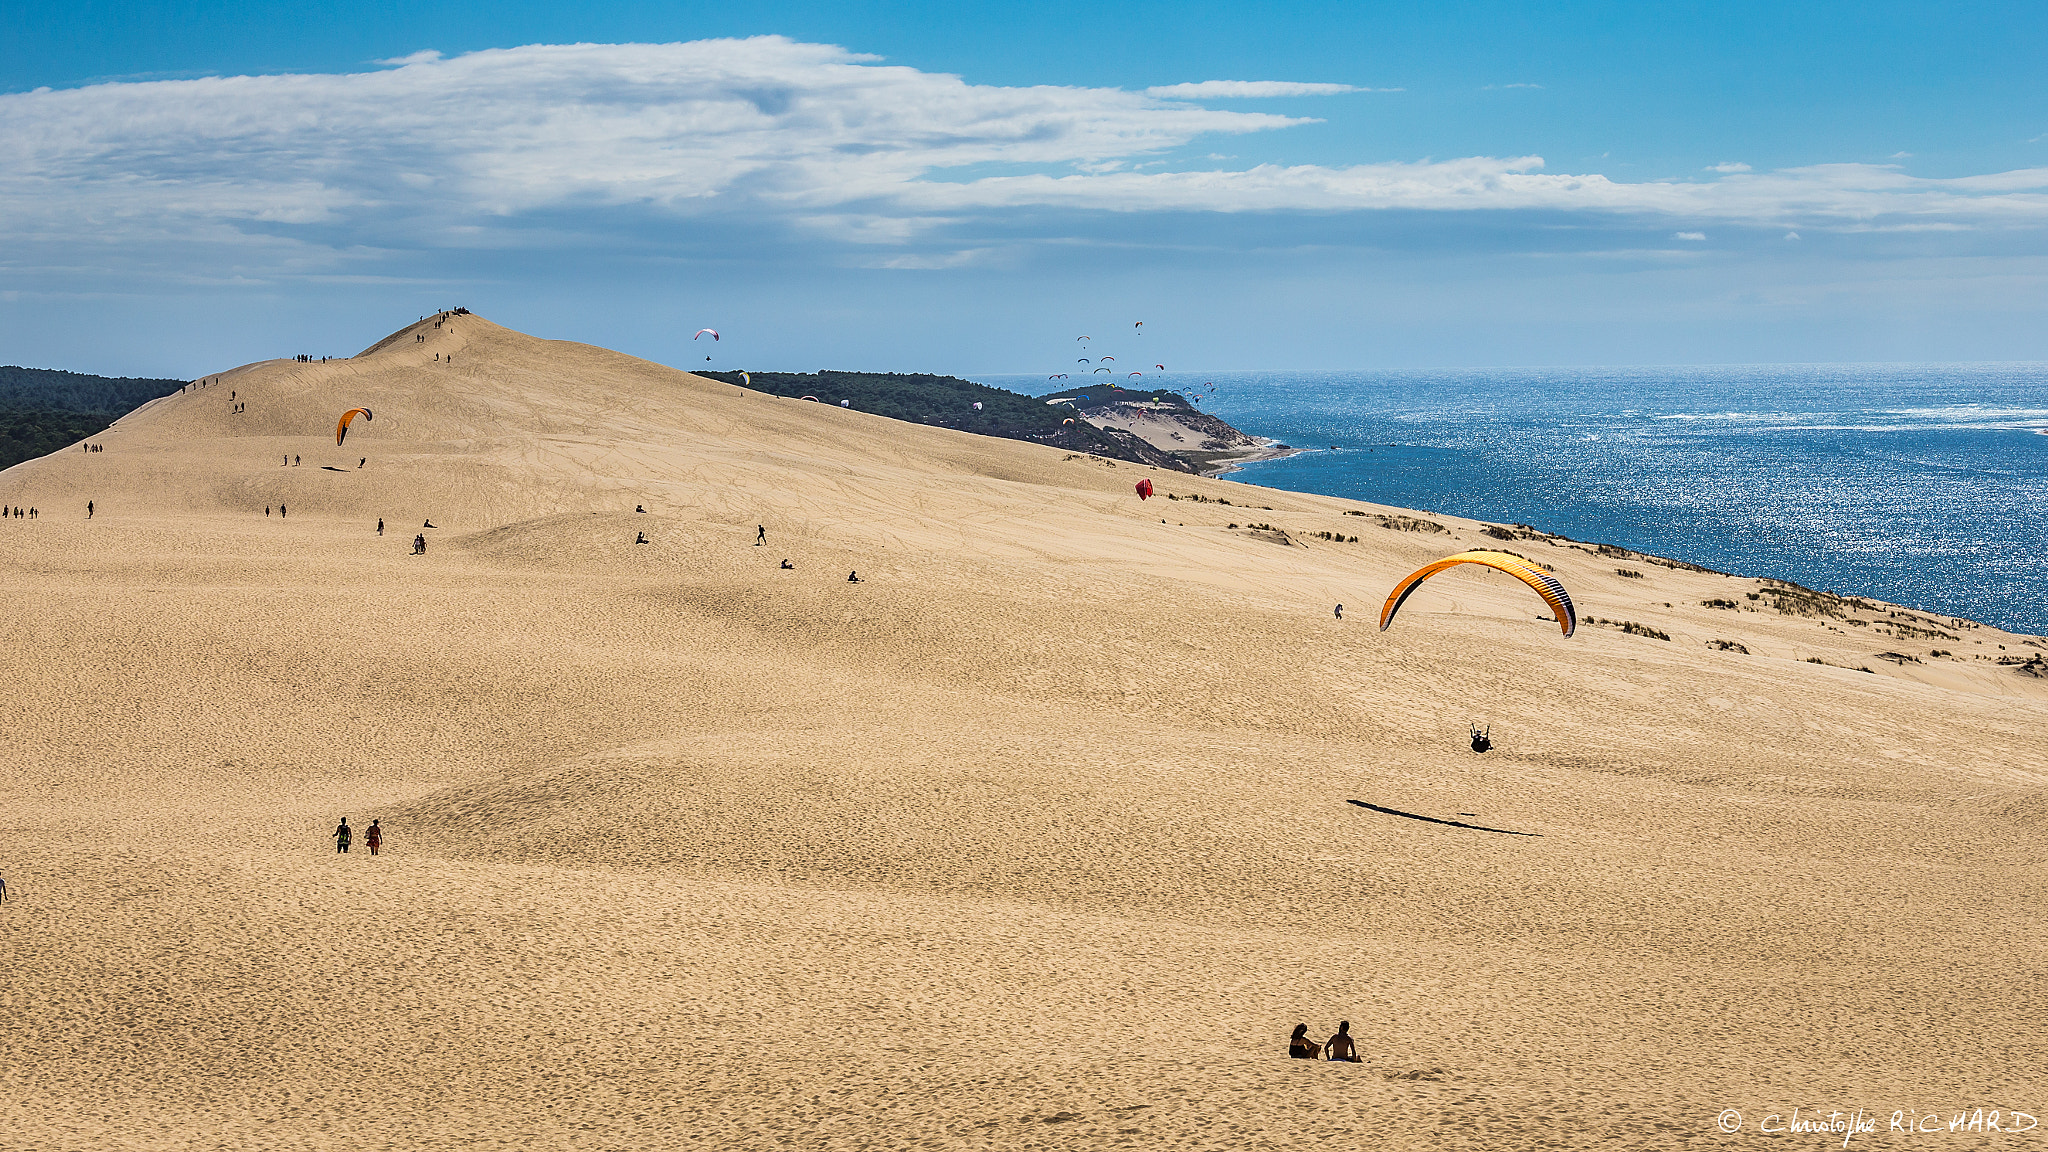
x=961 y=188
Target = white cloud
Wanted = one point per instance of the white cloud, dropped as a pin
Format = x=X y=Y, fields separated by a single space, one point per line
x=1688 y=235
x=1791 y=235
x=1251 y=89
x=557 y=144
x=1728 y=166
x=1503 y=87
x=1901 y=156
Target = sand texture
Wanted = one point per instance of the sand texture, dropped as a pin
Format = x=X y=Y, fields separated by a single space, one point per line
x=1043 y=836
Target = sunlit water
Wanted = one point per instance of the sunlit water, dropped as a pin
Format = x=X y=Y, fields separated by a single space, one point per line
x=1922 y=485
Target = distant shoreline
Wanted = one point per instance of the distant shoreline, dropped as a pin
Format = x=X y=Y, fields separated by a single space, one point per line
x=1224 y=463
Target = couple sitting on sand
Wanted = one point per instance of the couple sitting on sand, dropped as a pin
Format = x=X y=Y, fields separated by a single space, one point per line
x=1338 y=1047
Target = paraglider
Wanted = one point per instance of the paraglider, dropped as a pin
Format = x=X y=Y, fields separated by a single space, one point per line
x=348 y=418
x=702 y=331
x=1082 y=360
x=1144 y=489
x=1102 y=370
x=1544 y=584
x=1057 y=376
x=748 y=379
x=1134 y=374
x=813 y=399
x=1067 y=421
x=977 y=405
x=1161 y=367
x=1084 y=337
x=1107 y=359
x=1139 y=324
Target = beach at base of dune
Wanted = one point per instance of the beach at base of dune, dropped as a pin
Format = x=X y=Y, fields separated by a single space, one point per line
x=1224 y=463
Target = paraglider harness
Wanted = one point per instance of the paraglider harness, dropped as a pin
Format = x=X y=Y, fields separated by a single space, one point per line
x=1482 y=741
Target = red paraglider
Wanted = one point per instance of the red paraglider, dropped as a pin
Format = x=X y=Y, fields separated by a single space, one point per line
x=1144 y=489
x=702 y=331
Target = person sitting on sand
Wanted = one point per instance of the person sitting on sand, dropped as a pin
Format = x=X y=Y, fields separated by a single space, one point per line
x=639 y=508
x=787 y=565
x=639 y=537
x=853 y=577
x=1339 y=1047
x=1482 y=741
x=428 y=524
x=1300 y=1047
x=341 y=836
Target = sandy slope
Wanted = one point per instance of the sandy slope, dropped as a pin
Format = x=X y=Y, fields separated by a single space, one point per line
x=1038 y=838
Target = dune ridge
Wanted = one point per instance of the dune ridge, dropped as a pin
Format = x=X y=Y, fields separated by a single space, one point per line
x=1043 y=835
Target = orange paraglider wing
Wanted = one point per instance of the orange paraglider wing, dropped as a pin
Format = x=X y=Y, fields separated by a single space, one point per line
x=1546 y=585
x=347 y=418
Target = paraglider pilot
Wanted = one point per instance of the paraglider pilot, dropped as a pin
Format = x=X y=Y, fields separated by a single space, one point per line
x=1482 y=741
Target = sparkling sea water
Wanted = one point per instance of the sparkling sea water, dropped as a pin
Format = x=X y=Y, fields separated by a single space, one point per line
x=1923 y=485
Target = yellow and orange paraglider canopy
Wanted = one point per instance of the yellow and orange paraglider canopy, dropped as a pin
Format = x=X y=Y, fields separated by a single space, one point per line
x=347 y=418
x=1526 y=571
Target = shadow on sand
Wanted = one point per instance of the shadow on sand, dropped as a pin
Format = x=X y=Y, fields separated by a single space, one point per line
x=1446 y=823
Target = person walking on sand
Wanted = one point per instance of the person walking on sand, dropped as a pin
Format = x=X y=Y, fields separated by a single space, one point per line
x=280 y=511
x=1340 y=611
x=760 y=535
x=380 y=525
x=341 y=836
x=373 y=837
x=88 y=509
x=1300 y=1047
x=1339 y=1047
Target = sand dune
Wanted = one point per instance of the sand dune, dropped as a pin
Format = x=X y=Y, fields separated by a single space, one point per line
x=1041 y=836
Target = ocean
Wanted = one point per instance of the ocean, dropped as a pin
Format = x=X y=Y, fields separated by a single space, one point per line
x=1923 y=485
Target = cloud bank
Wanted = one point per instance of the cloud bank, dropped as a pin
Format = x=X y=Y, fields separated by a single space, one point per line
x=658 y=144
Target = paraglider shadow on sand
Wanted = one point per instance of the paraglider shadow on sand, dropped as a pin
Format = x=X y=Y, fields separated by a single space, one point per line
x=1447 y=823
